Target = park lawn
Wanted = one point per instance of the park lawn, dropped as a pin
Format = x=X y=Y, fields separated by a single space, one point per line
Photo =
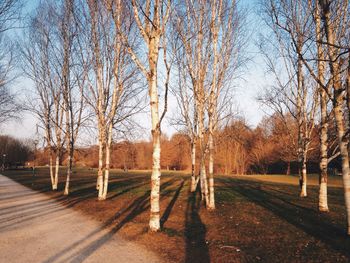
x=259 y=218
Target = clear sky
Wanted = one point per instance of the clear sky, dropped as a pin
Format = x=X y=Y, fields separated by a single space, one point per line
x=245 y=93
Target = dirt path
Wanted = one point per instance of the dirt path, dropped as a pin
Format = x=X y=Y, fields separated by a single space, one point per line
x=34 y=228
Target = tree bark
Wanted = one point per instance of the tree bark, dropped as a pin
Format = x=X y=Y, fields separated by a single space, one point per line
x=211 y=204
x=103 y=195
x=154 y=222
x=51 y=170
x=69 y=170
x=337 y=107
x=202 y=146
x=57 y=167
x=303 y=192
x=193 y=167
x=300 y=121
x=323 y=178
x=99 y=181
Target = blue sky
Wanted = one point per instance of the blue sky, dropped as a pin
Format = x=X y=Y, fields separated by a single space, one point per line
x=247 y=89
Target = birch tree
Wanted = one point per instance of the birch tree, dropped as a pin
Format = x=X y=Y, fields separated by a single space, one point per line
x=290 y=23
x=227 y=44
x=323 y=197
x=214 y=26
x=186 y=119
x=113 y=95
x=39 y=64
x=193 y=28
x=72 y=80
x=10 y=13
x=336 y=25
x=151 y=18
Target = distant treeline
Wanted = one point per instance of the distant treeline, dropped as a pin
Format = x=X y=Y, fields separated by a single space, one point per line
x=14 y=152
x=268 y=148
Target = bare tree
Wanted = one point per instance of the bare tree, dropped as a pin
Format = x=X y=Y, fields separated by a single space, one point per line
x=38 y=65
x=113 y=94
x=227 y=43
x=151 y=18
x=10 y=11
x=59 y=83
x=211 y=38
x=335 y=20
x=186 y=119
x=193 y=28
x=295 y=89
x=326 y=45
x=323 y=197
x=73 y=80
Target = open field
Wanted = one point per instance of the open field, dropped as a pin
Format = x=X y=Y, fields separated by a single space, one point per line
x=258 y=218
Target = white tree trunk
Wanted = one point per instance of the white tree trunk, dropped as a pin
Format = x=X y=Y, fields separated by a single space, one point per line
x=345 y=158
x=323 y=196
x=303 y=192
x=337 y=107
x=323 y=202
x=99 y=181
x=202 y=146
x=69 y=171
x=193 y=167
x=108 y=161
x=211 y=204
x=57 y=167
x=204 y=183
x=154 y=222
x=51 y=171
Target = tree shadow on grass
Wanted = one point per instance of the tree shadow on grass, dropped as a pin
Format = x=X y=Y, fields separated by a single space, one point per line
x=170 y=206
x=306 y=219
x=195 y=231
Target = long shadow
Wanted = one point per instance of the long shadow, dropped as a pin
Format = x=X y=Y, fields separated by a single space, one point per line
x=195 y=232
x=41 y=208
x=139 y=205
x=20 y=194
x=125 y=190
x=308 y=220
x=28 y=213
x=167 y=211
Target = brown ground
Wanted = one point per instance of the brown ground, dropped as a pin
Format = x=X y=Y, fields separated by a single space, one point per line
x=258 y=219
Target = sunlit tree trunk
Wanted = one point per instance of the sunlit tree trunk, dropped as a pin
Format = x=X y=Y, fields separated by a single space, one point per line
x=57 y=167
x=202 y=146
x=338 y=99
x=100 y=172
x=99 y=180
x=67 y=96
x=211 y=204
x=323 y=202
x=48 y=141
x=51 y=170
x=154 y=222
x=303 y=175
x=193 y=166
x=300 y=114
x=108 y=161
x=69 y=170
x=323 y=197
x=70 y=140
x=152 y=28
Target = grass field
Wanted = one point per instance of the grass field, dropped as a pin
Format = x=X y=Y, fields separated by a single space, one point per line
x=259 y=218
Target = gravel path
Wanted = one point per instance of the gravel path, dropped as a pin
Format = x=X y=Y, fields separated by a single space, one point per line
x=35 y=228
